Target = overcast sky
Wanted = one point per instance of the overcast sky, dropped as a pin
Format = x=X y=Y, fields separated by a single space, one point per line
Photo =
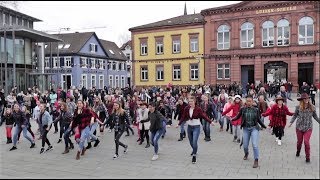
x=117 y=17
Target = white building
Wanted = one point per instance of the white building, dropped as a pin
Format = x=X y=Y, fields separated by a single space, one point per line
x=127 y=51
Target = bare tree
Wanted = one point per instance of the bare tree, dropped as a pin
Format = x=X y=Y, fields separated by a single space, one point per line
x=123 y=38
x=12 y=4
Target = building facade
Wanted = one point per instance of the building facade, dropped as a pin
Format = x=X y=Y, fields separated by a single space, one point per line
x=21 y=60
x=82 y=60
x=169 y=52
x=126 y=48
x=244 y=42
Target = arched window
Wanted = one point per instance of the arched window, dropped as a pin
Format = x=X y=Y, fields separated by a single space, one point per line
x=223 y=37
x=283 y=32
x=247 y=35
x=267 y=34
x=306 y=30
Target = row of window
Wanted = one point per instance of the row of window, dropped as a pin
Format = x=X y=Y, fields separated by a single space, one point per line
x=114 y=81
x=15 y=20
x=269 y=38
x=175 y=45
x=176 y=72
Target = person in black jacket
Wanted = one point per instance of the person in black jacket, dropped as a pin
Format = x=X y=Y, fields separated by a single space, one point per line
x=8 y=119
x=156 y=128
x=119 y=119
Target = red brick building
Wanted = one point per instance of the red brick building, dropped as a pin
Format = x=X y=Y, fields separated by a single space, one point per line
x=244 y=41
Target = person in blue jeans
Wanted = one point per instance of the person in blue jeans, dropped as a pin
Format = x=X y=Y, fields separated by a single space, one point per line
x=192 y=114
x=21 y=122
x=156 y=128
x=179 y=110
x=250 y=118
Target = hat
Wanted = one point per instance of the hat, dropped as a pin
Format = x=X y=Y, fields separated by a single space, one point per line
x=303 y=96
x=237 y=96
x=279 y=98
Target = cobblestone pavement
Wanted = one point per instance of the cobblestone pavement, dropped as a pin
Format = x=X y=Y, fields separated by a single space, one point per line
x=220 y=158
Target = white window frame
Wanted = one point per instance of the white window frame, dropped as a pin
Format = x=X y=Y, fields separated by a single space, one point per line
x=10 y=20
x=305 y=37
x=95 y=81
x=123 y=81
x=4 y=19
x=93 y=63
x=194 y=45
x=55 y=63
x=111 y=81
x=176 y=72
x=110 y=65
x=101 y=85
x=223 y=29
x=84 y=62
x=93 y=47
x=282 y=29
x=158 y=76
x=62 y=82
x=223 y=68
x=82 y=80
x=101 y=64
x=249 y=43
x=268 y=27
x=195 y=70
x=176 y=46
x=159 y=46
x=67 y=62
x=145 y=73
x=116 y=81
x=143 y=49
x=47 y=63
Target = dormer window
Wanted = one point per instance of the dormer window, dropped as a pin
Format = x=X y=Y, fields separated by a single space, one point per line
x=93 y=48
x=60 y=46
x=66 y=46
x=111 y=51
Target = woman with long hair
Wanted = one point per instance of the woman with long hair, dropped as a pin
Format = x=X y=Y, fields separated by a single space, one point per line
x=304 y=114
x=118 y=122
x=65 y=119
x=82 y=120
x=144 y=123
x=100 y=109
x=25 y=110
x=192 y=114
x=109 y=105
x=8 y=119
x=21 y=123
x=46 y=122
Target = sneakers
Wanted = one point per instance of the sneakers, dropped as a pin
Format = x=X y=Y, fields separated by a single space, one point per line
x=42 y=150
x=194 y=159
x=49 y=148
x=89 y=145
x=59 y=141
x=32 y=145
x=115 y=156
x=96 y=143
x=154 y=157
x=13 y=148
x=277 y=139
x=148 y=145
x=279 y=142
x=126 y=149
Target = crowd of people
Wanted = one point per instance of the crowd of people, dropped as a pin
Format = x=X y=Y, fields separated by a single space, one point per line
x=81 y=113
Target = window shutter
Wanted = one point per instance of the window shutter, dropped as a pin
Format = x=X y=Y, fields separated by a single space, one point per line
x=97 y=63
x=72 y=62
x=90 y=49
x=81 y=64
x=61 y=62
x=96 y=48
x=87 y=60
x=51 y=62
x=90 y=64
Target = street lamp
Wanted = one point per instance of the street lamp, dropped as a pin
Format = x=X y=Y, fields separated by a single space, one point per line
x=58 y=58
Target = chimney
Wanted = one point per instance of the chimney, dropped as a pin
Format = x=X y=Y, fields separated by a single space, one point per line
x=185 y=9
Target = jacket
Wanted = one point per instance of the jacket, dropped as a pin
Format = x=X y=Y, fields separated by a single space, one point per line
x=46 y=119
x=118 y=122
x=155 y=119
x=235 y=108
x=256 y=119
x=279 y=115
x=197 y=114
x=64 y=117
x=179 y=110
x=143 y=119
x=20 y=118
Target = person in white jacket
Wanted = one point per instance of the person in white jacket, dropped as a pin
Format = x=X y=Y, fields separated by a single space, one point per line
x=35 y=117
x=144 y=123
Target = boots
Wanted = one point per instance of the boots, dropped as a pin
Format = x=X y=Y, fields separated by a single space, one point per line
x=255 y=164
x=298 y=154
x=89 y=145
x=66 y=151
x=245 y=156
x=184 y=134
x=83 y=151
x=71 y=146
x=9 y=140
x=181 y=137
x=148 y=145
x=78 y=155
x=96 y=143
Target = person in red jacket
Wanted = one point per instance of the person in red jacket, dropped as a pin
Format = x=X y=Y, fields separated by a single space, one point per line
x=279 y=114
x=235 y=107
x=192 y=114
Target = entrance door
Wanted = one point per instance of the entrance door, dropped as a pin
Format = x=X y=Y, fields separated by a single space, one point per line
x=247 y=74
x=67 y=81
x=275 y=72
x=305 y=73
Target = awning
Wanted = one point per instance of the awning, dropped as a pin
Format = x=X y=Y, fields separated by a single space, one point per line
x=36 y=36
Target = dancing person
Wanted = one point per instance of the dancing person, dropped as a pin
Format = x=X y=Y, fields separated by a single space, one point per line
x=144 y=123
x=8 y=119
x=46 y=122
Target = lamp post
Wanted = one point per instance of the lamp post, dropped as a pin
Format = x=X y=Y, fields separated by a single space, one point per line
x=58 y=58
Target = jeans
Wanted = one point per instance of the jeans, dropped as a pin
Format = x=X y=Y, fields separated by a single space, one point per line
x=182 y=127
x=206 y=128
x=44 y=137
x=289 y=94
x=193 y=136
x=304 y=136
x=164 y=123
x=85 y=133
x=117 y=136
x=92 y=129
x=252 y=133
x=220 y=119
x=16 y=133
x=237 y=131
x=66 y=136
x=155 y=138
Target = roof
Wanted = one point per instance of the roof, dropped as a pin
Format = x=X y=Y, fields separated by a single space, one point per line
x=34 y=35
x=11 y=11
x=191 y=19
x=125 y=45
x=243 y=5
x=76 y=41
x=117 y=53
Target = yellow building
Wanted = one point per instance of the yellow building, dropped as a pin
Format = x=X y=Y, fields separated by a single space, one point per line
x=169 y=51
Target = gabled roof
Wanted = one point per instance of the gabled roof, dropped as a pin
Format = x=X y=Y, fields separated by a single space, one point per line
x=11 y=11
x=113 y=51
x=191 y=19
x=245 y=5
x=123 y=47
x=76 y=41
